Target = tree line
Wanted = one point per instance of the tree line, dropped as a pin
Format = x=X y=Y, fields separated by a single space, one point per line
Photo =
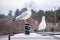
x=50 y=15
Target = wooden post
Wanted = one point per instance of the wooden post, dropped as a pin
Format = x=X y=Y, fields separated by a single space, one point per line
x=9 y=37
x=27 y=28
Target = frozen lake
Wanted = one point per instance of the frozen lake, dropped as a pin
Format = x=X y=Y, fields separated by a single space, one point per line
x=33 y=36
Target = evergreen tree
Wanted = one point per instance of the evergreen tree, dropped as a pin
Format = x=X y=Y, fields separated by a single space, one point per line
x=17 y=12
x=34 y=14
x=40 y=13
x=10 y=13
x=2 y=16
x=9 y=16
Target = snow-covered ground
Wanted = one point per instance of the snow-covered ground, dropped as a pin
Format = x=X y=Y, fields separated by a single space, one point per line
x=32 y=36
x=4 y=37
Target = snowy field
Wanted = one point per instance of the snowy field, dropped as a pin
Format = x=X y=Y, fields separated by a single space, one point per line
x=36 y=39
x=32 y=36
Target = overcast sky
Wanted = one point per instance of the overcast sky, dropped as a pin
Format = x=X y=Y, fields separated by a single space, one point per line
x=6 y=5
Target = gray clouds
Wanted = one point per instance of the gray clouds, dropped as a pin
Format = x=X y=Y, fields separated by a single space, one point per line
x=37 y=4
